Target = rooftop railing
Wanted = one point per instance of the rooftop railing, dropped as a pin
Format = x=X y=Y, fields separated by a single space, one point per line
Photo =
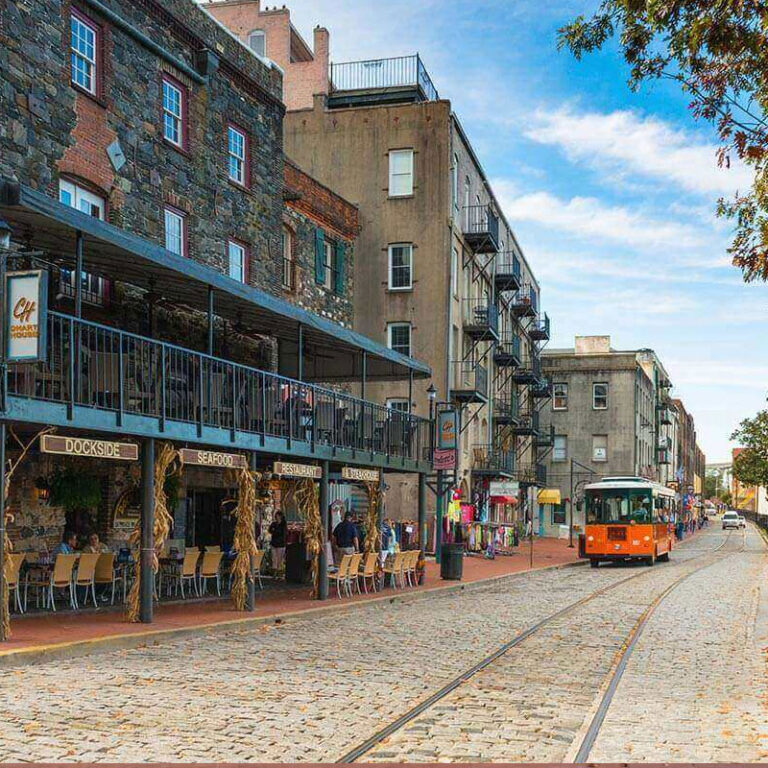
x=377 y=74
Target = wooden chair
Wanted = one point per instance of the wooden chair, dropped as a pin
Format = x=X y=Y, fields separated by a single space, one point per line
x=188 y=572
x=84 y=576
x=213 y=548
x=353 y=579
x=257 y=561
x=395 y=569
x=409 y=566
x=209 y=569
x=59 y=578
x=369 y=571
x=13 y=578
x=341 y=576
x=105 y=572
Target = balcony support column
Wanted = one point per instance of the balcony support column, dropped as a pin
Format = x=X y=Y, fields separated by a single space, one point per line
x=210 y=320
x=5 y=607
x=78 y=274
x=322 y=564
x=147 y=572
x=410 y=391
x=300 y=354
x=363 y=374
x=422 y=512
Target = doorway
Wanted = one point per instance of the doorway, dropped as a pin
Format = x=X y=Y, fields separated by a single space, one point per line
x=207 y=524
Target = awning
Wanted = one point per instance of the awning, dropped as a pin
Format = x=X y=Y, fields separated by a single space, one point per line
x=332 y=353
x=549 y=496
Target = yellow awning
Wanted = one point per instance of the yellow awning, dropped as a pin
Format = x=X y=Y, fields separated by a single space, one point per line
x=549 y=496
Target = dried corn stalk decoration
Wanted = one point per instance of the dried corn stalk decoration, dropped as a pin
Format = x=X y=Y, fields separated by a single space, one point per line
x=11 y=467
x=375 y=495
x=167 y=462
x=308 y=503
x=244 y=541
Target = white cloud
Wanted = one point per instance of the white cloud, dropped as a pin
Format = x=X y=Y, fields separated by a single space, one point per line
x=626 y=142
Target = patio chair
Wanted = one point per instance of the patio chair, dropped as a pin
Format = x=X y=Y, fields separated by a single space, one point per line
x=257 y=561
x=209 y=569
x=341 y=576
x=13 y=578
x=354 y=573
x=409 y=566
x=369 y=571
x=105 y=572
x=395 y=569
x=188 y=572
x=59 y=578
x=84 y=576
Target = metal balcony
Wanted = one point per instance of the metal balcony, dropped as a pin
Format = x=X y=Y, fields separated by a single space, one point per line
x=469 y=382
x=505 y=410
x=524 y=302
x=480 y=319
x=508 y=273
x=529 y=370
x=541 y=388
x=665 y=414
x=546 y=438
x=507 y=351
x=492 y=460
x=539 y=330
x=481 y=228
x=398 y=80
x=665 y=457
x=527 y=424
x=531 y=474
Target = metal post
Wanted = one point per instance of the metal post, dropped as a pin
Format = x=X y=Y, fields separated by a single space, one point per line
x=300 y=354
x=422 y=511
x=78 y=274
x=439 y=516
x=410 y=391
x=322 y=565
x=147 y=531
x=210 y=320
x=5 y=606
x=570 y=525
x=363 y=375
x=250 y=598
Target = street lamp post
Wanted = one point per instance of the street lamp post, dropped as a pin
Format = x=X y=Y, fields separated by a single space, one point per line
x=432 y=395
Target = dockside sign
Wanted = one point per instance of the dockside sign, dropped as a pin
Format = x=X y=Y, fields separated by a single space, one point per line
x=360 y=475
x=213 y=459
x=289 y=469
x=83 y=446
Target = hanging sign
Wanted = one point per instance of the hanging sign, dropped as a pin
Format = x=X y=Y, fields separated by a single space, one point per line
x=213 y=459
x=289 y=469
x=26 y=316
x=360 y=475
x=503 y=488
x=447 y=429
x=444 y=459
x=83 y=446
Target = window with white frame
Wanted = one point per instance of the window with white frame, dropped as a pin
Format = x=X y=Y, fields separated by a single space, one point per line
x=175 y=235
x=398 y=404
x=455 y=272
x=599 y=448
x=288 y=266
x=399 y=338
x=329 y=250
x=173 y=113
x=599 y=396
x=95 y=290
x=237 y=151
x=400 y=172
x=401 y=267
x=236 y=255
x=257 y=42
x=84 y=41
x=560 y=449
x=560 y=397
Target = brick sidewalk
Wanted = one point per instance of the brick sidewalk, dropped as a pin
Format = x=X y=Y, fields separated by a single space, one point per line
x=41 y=632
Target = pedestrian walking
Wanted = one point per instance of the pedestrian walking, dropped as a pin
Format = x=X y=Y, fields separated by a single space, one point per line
x=278 y=531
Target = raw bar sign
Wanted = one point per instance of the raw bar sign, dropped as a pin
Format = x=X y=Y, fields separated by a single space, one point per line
x=213 y=459
x=289 y=469
x=83 y=446
x=25 y=315
x=360 y=475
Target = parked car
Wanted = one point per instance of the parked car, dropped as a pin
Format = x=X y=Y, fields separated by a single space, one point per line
x=731 y=520
x=742 y=521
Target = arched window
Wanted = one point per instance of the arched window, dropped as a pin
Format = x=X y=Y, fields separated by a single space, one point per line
x=257 y=42
x=289 y=273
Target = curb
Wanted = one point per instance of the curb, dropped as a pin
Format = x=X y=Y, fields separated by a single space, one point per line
x=79 y=648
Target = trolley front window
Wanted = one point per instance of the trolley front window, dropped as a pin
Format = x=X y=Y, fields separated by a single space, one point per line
x=621 y=506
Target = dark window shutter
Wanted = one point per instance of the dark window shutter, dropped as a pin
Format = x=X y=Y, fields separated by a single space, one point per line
x=319 y=256
x=340 y=253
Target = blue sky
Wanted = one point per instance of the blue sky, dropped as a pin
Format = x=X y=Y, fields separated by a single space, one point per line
x=611 y=193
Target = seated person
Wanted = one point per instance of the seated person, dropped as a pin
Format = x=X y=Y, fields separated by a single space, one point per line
x=67 y=544
x=94 y=545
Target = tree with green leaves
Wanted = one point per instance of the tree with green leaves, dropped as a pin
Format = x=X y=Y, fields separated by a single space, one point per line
x=717 y=50
x=750 y=466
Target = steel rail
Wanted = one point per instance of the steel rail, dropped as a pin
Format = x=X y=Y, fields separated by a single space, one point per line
x=366 y=746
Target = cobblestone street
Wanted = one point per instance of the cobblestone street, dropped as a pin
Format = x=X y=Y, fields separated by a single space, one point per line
x=315 y=688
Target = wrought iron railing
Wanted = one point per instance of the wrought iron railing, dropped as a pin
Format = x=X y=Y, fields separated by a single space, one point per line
x=507 y=263
x=541 y=325
x=397 y=72
x=491 y=458
x=481 y=314
x=509 y=344
x=103 y=368
x=480 y=220
x=467 y=375
x=506 y=406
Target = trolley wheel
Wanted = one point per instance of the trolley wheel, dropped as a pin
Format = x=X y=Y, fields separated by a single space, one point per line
x=664 y=558
x=593 y=563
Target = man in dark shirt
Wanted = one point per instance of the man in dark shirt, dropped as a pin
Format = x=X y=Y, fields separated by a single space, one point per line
x=346 y=536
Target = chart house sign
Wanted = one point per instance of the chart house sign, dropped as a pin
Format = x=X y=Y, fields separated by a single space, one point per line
x=289 y=469
x=25 y=313
x=84 y=446
x=213 y=459
x=360 y=475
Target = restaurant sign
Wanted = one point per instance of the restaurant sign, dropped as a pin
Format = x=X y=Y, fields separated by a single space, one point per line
x=447 y=422
x=360 y=475
x=83 y=446
x=25 y=315
x=289 y=469
x=444 y=459
x=213 y=459
x=503 y=488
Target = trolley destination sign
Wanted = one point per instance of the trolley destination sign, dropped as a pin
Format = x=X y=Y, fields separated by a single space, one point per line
x=360 y=475
x=290 y=469
x=85 y=446
x=213 y=459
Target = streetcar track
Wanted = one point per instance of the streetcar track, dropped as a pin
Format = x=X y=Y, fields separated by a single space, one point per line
x=369 y=744
x=629 y=646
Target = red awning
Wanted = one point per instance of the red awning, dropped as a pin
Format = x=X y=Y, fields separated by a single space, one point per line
x=503 y=499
